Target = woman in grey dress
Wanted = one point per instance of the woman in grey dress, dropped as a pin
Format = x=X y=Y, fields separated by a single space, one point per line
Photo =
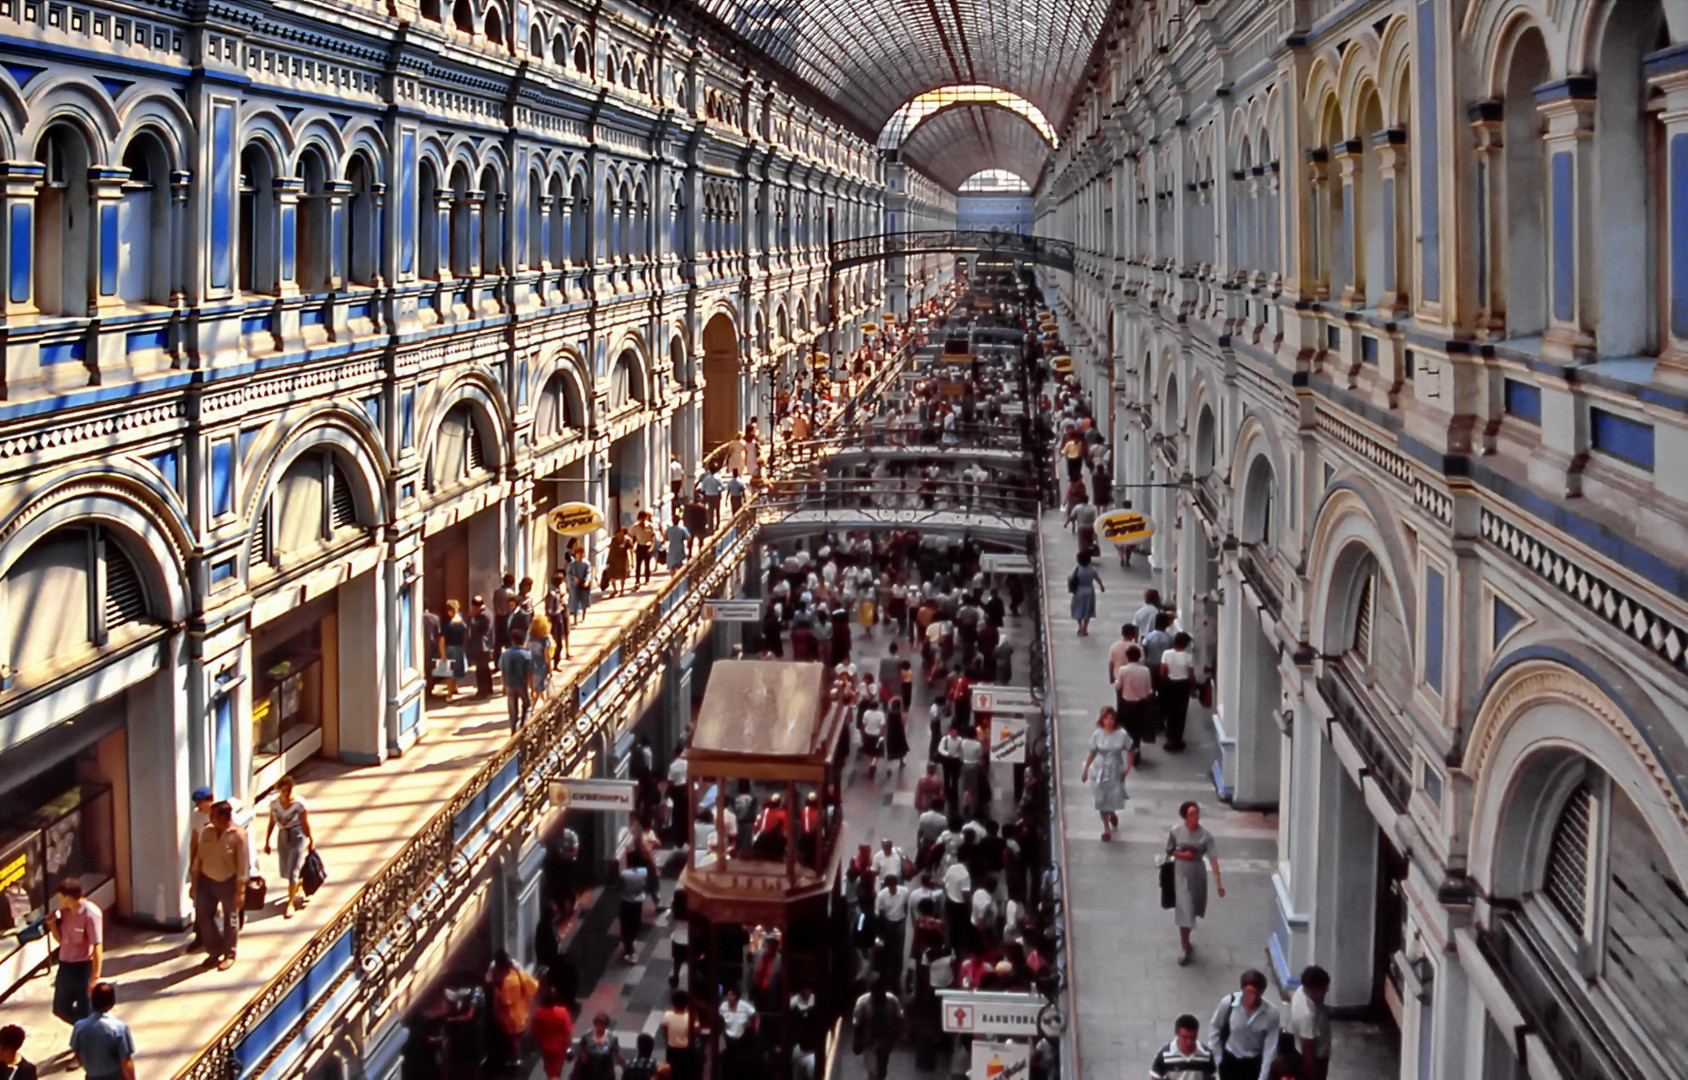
x=1083 y=583
x=1108 y=744
x=289 y=814
x=1188 y=844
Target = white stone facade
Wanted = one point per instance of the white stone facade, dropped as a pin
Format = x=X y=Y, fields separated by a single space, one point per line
x=312 y=312
x=1391 y=298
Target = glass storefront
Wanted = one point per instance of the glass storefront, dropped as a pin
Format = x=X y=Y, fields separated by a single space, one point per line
x=51 y=828
x=287 y=706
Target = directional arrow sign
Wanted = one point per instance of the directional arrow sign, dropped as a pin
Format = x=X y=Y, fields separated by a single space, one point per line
x=988 y=1013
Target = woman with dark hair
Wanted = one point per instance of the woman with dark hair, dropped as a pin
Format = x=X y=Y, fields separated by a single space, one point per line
x=553 y=1029
x=896 y=733
x=1187 y=844
x=599 y=1051
x=1108 y=746
x=1083 y=583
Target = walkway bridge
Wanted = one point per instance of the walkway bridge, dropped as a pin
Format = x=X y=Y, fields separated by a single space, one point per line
x=985 y=245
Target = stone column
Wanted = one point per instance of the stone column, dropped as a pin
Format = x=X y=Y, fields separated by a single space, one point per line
x=179 y=236
x=1567 y=111
x=105 y=191
x=363 y=604
x=1488 y=132
x=441 y=225
x=1348 y=261
x=335 y=193
x=287 y=190
x=477 y=201
x=1316 y=276
x=19 y=182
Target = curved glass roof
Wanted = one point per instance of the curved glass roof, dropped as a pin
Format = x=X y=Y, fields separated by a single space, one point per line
x=917 y=111
x=871 y=56
x=994 y=181
x=958 y=141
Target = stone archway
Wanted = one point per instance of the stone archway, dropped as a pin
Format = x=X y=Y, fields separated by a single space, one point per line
x=720 y=381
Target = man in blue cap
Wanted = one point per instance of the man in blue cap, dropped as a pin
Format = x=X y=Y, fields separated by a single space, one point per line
x=201 y=817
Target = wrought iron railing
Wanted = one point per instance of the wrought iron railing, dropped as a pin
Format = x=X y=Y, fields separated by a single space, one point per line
x=394 y=908
x=988 y=244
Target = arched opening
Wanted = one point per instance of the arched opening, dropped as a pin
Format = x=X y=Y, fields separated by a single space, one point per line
x=1592 y=893
x=579 y=234
x=430 y=10
x=560 y=411
x=363 y=234
x=259 y=262
x=559 y=51
x=534 y=223
x=69 y=593
x=312 y=225
x=680 y=362
x=536 y=44
x=1366 y=630
x=492 y=222
x=641 y=221
x=1368 y=282
x=494 y=26
x=1629 y=155
x=582 y=59
x=1260 y=499
x=1206 y=437
x=427 y=221
x=720 y=381
x=143 y=224
x=558 y=231
x=462 y=217
x=63 y=216
x=627 y=382
x=1524 y=259
x=463 y=16
x=314 y=503
x=464 y=453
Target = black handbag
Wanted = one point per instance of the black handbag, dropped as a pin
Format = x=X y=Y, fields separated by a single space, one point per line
x=312 y=874
x=1168 y=885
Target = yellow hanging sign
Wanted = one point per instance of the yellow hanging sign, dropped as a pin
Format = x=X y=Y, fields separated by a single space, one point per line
x=575 y=519
x=1124 y=527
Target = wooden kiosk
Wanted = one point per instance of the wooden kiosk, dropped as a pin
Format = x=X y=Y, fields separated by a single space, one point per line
x=769 y=743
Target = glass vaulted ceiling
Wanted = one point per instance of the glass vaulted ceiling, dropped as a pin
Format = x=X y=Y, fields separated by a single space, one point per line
x=871 y=56
x=910 y=115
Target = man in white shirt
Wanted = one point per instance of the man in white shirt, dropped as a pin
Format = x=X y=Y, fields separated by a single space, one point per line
x=927 y=889
x=1309 y=1022
x=676 y=476
x=958 y=889
x=891 y=905
x=738 y=1025
x=931 y=825
x=888 y=860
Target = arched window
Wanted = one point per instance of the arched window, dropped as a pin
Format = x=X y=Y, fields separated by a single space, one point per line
x=1523 y=190
x=559 y=411
x=427 y=222
x=579 y=208
x=1206 y=436
x=462 y=453
x=1564 y=880
x=535 y=221
x=1628 y=154
x=559 y=251
x=463 y=16
x=1260 y=497
x=69 y=592
x=62 y=223
x=258 y=221
x=626 y=382
x=462 y=216
x=313 y=503
x=641 y=222
x=492 y=223
x=494 y=26
x=582 y=59
x=312 y=225
x=536 y=44
x=363 y=235
x=1365 y=616
x=143 y=224
x=431 y=10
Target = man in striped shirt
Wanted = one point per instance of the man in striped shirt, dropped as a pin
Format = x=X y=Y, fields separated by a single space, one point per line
x=1184 y=1058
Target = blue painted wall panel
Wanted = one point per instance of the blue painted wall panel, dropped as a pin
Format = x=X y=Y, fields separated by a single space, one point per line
x=222 y=193
x=19 y=264
x=1623 y=438
x=1434 y=600
x=222 y=477
x=407 y=202
x=1429 y=167
x=1679 y=236
x=108 y=249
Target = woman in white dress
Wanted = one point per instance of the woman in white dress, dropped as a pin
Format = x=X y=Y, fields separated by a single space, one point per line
x=1108 y=745
x=289 y=814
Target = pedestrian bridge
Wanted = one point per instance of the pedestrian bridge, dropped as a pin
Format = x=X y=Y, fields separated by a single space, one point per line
x=986 y=245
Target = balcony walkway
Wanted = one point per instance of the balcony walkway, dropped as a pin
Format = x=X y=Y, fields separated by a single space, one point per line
x=361 y=815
